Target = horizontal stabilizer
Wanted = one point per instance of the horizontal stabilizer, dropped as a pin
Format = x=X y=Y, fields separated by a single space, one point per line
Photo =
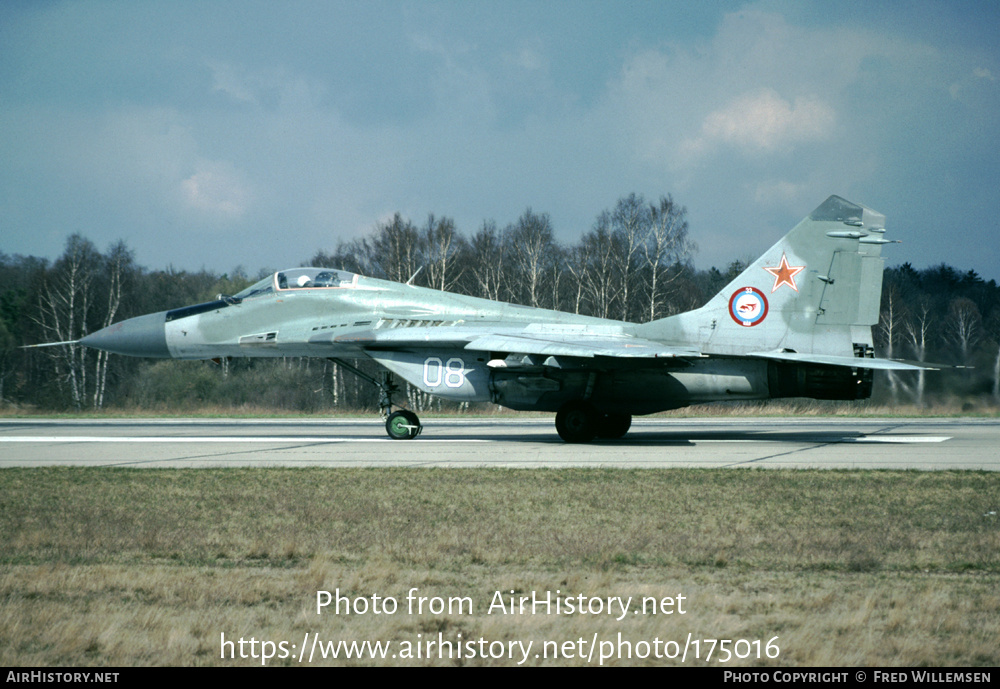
x=854 y=362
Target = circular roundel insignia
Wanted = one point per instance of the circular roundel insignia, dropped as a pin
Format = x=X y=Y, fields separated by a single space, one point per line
x=748 y=306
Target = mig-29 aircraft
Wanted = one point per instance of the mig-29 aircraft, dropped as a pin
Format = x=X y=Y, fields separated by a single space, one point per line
x=795 y=323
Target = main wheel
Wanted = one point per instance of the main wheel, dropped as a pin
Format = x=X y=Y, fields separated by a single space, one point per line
x=613 y=426
x=576 y=422
x=403 y=425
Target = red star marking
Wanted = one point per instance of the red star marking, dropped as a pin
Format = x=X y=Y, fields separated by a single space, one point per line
x=784 y=274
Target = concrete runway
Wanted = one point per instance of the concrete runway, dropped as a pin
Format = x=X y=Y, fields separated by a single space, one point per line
x=926 y=444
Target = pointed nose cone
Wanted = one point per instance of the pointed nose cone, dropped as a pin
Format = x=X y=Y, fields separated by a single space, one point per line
x=143 y=336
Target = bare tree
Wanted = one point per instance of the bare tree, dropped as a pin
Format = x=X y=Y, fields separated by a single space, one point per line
x=489 y=255
x=6 y=356
x=666 y=245
x=394 y=251
x=119 y=267
x=890 y=328
x=440 y=245
x=602 y=285
x=963 y=327
x=630 y=225
x=531 y=243
x=917 y=333
x=65 y=303
x=992 y=327
x=576 y=265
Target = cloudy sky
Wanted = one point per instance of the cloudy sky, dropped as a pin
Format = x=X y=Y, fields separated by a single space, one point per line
x=215 y=134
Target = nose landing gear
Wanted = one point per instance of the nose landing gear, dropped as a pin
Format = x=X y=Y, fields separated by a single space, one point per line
x=401 y=424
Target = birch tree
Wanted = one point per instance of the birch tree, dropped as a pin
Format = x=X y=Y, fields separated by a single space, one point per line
x=440 y=246
x=891 y=328
x=963 y=327
x=393 y=252
x=917 y=332
x=993 y=328
x=597 y=264
x=65 y=305
x=119 y=269
x=630 y=224
x=666 y=245
x=488 y=257
x=531 y=245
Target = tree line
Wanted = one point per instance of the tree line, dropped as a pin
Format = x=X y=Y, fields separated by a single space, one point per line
x=941 y=315
x=634 y=264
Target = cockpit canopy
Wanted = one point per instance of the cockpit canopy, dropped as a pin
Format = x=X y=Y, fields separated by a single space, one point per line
x=300 y=278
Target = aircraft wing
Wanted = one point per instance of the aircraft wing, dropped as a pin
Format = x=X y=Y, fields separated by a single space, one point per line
x=556 y=344
x=575 y=341
x=545 y=341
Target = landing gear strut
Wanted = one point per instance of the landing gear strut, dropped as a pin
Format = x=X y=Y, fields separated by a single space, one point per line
x=401 y=424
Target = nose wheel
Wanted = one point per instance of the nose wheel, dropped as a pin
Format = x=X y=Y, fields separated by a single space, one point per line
x=403 y=425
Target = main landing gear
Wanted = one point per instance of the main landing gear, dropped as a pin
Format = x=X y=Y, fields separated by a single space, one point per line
x=401 y=424
x=580 y=422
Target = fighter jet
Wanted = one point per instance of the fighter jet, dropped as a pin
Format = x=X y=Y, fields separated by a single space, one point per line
x=795 y=323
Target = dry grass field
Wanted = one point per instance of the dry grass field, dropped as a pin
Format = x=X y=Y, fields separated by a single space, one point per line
x=151 y=567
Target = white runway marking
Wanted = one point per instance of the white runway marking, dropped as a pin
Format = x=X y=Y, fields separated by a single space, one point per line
x=899 y=439
x=210 y=439
x=902 y=439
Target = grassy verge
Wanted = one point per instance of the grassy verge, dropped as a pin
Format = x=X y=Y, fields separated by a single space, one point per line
x=122 y=567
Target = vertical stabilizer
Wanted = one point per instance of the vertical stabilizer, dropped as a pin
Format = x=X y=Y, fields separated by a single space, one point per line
x=815 y=291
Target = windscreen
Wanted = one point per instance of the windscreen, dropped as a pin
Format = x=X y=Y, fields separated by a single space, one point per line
x=313 y=278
